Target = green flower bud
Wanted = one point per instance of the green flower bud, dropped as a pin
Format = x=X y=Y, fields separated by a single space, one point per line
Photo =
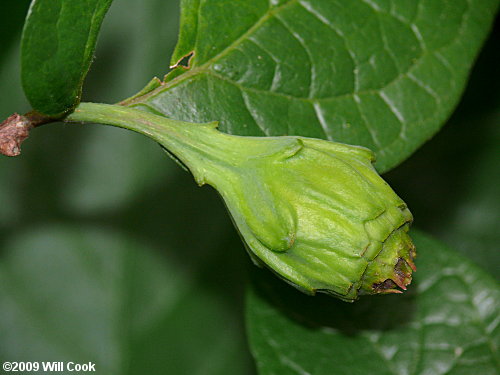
x=313 y=211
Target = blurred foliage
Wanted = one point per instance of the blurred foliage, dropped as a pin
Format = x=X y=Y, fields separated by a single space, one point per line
x=108 y=248
x=109 y=251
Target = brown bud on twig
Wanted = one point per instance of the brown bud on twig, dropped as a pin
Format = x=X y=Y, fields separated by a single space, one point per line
x=16 y=128
x=13 y=132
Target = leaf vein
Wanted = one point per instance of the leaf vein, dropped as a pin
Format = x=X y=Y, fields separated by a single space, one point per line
x=251 y=113
x=312 y=77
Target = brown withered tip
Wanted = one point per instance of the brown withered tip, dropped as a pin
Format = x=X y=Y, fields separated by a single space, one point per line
x=387 y=286
x=401 y=279
x=13 y=131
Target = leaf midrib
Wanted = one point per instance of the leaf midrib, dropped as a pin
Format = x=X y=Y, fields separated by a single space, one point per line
x=204 y=67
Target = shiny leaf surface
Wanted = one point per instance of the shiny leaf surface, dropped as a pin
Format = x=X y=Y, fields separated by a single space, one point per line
x=381 y=74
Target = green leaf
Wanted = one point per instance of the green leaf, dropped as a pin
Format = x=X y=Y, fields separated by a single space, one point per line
x=447 y=323
x=378 y=73
x=58 y=44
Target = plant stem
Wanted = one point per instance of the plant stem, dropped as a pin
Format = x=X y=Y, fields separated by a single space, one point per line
x=128 y=118
x=194 y=144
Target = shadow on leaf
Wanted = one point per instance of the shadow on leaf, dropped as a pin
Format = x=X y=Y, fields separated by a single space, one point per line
x=370 y=313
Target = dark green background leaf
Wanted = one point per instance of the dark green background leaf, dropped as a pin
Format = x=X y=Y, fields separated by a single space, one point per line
x=379 y=73
x=124 y=304
x=58 y=45
x=11 y=21
x=447 y=323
